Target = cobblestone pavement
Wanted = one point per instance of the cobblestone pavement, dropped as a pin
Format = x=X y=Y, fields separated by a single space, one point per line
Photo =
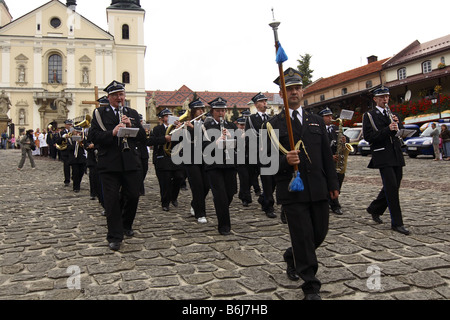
x=52 y=243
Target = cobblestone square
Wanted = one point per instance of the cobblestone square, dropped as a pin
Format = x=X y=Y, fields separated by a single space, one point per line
x=53 y=246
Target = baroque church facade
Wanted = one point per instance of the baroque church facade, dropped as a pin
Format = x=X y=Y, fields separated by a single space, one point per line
x=55 y=63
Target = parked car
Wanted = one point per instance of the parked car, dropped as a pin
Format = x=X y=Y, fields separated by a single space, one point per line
x=364 y=146
x=354 y=135
x=422 y=145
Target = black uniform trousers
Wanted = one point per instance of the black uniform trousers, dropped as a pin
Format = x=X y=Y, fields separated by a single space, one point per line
x=78 y=170
x=308 y=227
x=223 y=185
x=268 y=186
x=66 y=166
x=334 y=203
x=244 y=183
x=121 y=210
x=199 y=184
x=169 y=184
x=95 y=185
x=388 y=197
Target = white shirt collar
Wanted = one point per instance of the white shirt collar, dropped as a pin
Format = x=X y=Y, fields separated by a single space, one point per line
x=381 y=109
x=299 y=114
x=262 y=113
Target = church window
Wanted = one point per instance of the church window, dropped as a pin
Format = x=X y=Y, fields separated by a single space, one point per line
x=55 y=69
x=125 y=32
x=126 y=77
x=55 y=22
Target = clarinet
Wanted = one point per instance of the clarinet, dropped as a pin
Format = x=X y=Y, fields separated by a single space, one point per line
x=222 y=126
x=389 y=113
x=124 y=139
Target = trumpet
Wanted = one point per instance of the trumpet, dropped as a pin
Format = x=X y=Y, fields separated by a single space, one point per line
x=126 y=147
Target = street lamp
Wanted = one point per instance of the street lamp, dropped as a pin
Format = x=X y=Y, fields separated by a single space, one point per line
x=435 y=100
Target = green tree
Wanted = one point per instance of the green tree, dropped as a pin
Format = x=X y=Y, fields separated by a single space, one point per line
x=235 y=115
x=303 y=67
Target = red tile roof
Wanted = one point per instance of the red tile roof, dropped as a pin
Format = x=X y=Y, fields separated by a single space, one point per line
x=178 y=97
x=416 y=50
x=345 y=76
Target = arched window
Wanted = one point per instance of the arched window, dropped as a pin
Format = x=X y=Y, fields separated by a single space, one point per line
x=426 y=66
x=401 y=73
x=55 y=69
x=126 y=77
x=125 y=32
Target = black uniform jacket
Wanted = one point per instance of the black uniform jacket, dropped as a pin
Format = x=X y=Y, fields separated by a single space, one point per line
x=111 y=157
x=385 y=147
x=253 y=127
x=210 y=123
x=161 y=159
x=318 y=172
x=78 y=157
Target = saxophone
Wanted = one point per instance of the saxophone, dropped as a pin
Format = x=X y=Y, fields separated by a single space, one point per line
x=342 y=150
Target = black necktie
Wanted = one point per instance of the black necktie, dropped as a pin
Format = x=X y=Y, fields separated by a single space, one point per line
x=117 y=114
x=295 y=116
x=264 y=117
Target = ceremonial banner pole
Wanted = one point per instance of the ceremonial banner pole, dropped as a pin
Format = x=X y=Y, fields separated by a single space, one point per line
x=296 y=183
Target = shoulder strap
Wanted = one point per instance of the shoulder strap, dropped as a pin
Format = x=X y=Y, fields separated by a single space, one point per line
x=371 y=121
x=99 y=119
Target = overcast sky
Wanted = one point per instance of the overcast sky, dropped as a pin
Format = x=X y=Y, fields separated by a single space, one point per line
x=217 y=45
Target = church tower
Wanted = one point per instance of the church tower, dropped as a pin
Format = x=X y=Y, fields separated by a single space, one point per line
x=126 y=24
x=5 y=16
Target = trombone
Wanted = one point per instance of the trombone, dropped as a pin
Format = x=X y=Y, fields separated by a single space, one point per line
x=86 y=123
x=171 y=129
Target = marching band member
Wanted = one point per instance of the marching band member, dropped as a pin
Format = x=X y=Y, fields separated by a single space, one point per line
x=64 y=154
x=332 y=132
x=170 y=176
x=196 y=169
x=244 y=169
x=306 y=211
x=380 y=130
x=254 y=123
x=119 y=163
x=221 y=175
x=77 y=157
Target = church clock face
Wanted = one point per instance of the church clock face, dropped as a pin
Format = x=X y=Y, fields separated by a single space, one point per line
x=55 y=22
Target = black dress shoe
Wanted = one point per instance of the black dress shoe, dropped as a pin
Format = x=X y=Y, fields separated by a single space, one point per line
x=114 y=246
x=376 y=218
x=245 y=203
x=129 y=232
x=312 y=296
x=292 y=274
x=270 y=212
x=401 y=229
x=337 y=211
x=165 y=208
x=225 y=233
x=175 y=203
